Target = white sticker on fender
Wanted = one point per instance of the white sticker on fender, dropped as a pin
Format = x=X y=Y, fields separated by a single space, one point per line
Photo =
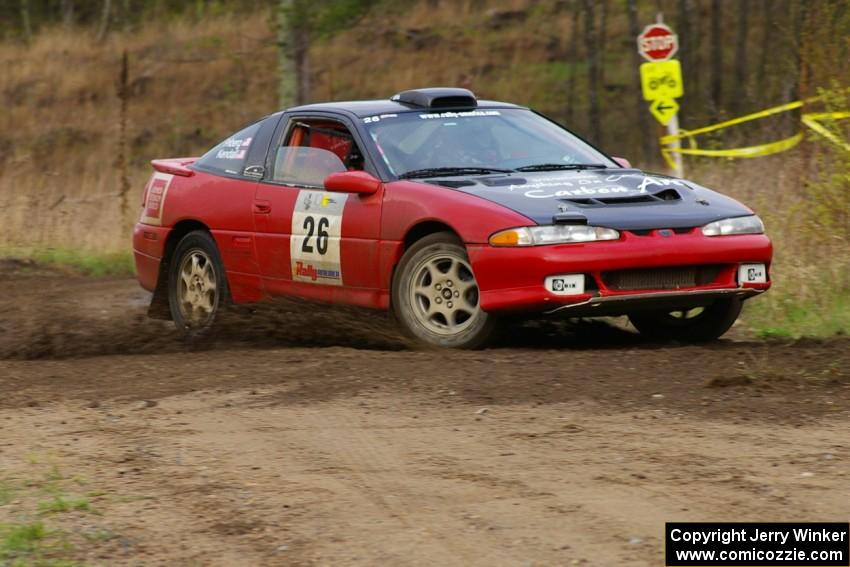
x=316 y=231
x=155 y=198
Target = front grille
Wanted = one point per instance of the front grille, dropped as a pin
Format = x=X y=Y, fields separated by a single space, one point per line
x=649 y=231
x=661 y=278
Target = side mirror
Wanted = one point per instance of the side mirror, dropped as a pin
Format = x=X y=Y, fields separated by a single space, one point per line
x=623 y=162
x=358 y=182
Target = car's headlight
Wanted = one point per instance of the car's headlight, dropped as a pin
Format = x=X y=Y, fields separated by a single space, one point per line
x=552 y=234
x=738 y=225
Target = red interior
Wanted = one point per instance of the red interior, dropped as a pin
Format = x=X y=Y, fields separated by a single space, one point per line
x=340 y=145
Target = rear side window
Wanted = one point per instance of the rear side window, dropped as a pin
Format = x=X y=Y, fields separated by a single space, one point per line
x=229 y=156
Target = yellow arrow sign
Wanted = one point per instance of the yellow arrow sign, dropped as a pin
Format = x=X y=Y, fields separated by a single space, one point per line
x=661 y=79
x=664 y=109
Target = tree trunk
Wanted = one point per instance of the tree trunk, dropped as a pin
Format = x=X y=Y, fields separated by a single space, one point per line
x=600 y=44
x=683 y=30
x=716 y=59
x=123 y=97
x=646 y=130
x=697 y=84
x=573 y=63
x=26 y=26
x=67 y=9
x=301 y=40
x=287 y=79
x=126 y=16
x=591 y=40
x=741 y=90
x=105 y=15
x=763 y=89
x=802 y=16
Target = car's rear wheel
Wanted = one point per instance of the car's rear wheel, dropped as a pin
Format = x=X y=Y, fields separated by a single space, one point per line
x=694 y=325
x=436 y=299
x=197 y=286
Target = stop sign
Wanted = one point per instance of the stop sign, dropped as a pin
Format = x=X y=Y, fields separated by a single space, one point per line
x=657 y=43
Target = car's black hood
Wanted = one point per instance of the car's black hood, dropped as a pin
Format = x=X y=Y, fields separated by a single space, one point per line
x=624 y=199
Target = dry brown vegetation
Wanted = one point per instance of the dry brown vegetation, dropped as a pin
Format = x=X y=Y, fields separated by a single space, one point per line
x=192 y=82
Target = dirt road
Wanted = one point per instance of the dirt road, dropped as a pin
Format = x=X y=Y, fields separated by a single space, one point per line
x=280 y=443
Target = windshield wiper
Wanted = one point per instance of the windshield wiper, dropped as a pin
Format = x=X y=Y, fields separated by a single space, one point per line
x=556 y=166
x=449 y=171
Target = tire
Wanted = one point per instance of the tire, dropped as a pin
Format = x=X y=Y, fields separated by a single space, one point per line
x=435 y=298
x=197 y=285
x=691 y=326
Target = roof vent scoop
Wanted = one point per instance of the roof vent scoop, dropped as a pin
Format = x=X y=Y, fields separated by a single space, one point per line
x=441 y=98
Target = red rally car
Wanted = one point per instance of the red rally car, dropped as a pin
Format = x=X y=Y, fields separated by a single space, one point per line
x=450 y=212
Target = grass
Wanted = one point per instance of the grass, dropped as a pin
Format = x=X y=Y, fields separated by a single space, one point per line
x=7 y=494
x=88 y=263
x=28 y=545
x=61 y=503
x=786 y=316
x=20 y=538
x=26 y=538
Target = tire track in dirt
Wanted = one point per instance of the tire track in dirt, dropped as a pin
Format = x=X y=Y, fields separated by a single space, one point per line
x=277 y=443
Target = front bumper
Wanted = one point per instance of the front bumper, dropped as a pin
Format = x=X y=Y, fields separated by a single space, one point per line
x=512 y=279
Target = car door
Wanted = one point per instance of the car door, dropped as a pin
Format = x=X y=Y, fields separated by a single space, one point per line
x=312 y=242
x=225 y=185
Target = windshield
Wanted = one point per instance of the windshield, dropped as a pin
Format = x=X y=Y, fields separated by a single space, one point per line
x=497 y=139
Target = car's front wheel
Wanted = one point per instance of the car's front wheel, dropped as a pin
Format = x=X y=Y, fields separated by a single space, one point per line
x=197 y=286
x=436 y=299
x=700 y=324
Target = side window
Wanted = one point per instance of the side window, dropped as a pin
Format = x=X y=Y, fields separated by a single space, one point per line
x=312 y=149
x=229 y=156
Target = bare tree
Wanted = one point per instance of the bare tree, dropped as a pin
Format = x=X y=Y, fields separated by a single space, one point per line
x=592 y=41
x=767 y=25
x=600 y=43
x=126 y=15
x=123 y=92
x=301 y=52
x=641 y=113
x=573 y=61
x=287 y=78
x=741 y=57
x=694 y=76
x=716 y=58
x=683 y=30
x=67 y=9
x=797 y=85
x=105 y=15
x=26 y=26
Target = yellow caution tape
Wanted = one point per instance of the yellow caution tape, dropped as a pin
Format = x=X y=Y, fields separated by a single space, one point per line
x=748 y=152
x=812 y=120
x=740 y=120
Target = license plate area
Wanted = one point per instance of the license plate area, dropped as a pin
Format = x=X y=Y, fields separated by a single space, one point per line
x=565 y=284
x=752 y=273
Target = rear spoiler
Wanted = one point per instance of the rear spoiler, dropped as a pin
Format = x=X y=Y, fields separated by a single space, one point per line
x=175 y=166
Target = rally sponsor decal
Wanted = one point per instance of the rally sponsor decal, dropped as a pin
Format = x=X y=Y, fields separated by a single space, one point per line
x=378 y=118
x=589 y=186
x=465 y=114
x=234 y=148
x=316 y=231
x=155 y=198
